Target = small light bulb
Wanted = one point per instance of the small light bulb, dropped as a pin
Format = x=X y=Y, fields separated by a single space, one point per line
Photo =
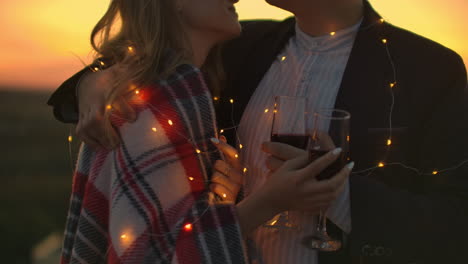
x=70 y=138
x=266 y=110
x=109 y=107
x=245 y=170
x=102 y=63
x=435 y=172
x=236 y=156
x=198 y=151
x=381 y=165
x=96 y=69
x=389 y=142
x=170 y=122
x=382 y=20
x=154 y=129
x=137 y=91
x=332 y=33
x=283 y=58
x=348 y=138
x=221 y=131
x=232 y=101
x=188 y=227
x=124 y=236
x=216 y=98
x=131 y=49
x=224 y=195
x=392 y=84
x=191 y=178
x=384 y=41
x=240 y=146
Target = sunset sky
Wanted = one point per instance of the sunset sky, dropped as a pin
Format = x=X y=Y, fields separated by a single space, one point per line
x=43 y=42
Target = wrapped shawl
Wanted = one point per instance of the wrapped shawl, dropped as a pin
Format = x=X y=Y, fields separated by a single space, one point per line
x=147 y=201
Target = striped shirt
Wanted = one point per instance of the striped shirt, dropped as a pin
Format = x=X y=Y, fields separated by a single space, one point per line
x=310 y=67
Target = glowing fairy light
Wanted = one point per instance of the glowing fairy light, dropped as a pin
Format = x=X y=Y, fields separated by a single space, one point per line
x=170 y=122
x=381 y=165
x=283 y=58
x=384 y=41
x=392 y=84
x=241 y=146
x=124 y=236
x=188 y=227
x=382 y=20
x=389 y=142
x=332 y=33
x=70 y=138
x=198 y=151
x=154 y=129
x=231 y=101
x=191 y=178
x=221 y=131
x=435 y=172
x=224 y=195
x=266 y=111
x=102 y=63
x=216 y=98
x=96 y=69
x=236 y=156
x=109 y=107
x=137 y=92
x=131 y=50
x=245 y=170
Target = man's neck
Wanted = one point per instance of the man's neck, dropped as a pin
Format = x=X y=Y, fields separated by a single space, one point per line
x=322 y=18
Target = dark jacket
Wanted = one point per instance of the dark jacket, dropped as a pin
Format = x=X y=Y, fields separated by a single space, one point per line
x=398 y=215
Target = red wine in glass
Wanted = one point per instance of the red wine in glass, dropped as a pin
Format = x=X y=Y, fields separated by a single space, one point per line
x=332 y=169
x=296 y=140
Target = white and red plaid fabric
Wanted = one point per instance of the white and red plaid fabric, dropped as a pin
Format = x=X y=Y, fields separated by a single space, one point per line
x=147 y=201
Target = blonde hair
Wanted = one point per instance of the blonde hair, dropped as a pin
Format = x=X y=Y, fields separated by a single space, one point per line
x=154 y=31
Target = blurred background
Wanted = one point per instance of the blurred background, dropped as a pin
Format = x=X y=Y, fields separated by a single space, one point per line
x=43 y=42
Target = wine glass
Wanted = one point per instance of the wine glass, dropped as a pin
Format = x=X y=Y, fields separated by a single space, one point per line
x=331 y=130
x=289 y=127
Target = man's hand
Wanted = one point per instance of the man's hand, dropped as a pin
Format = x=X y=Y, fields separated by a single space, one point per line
x=94 y=89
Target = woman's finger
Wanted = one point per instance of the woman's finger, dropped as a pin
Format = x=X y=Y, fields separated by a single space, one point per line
x=222 y=192
x=273 y=163
x=230 y=153
x=282 y=151
x=336 y=183
x=318 y=165
x=220 y=178
x=225 y=169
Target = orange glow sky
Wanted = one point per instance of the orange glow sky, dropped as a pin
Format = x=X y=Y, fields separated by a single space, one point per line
x=42 y=41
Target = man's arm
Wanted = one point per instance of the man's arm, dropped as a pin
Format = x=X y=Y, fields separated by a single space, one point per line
x=429 y=221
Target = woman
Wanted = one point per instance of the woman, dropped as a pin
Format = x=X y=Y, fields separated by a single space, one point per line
x=148 y=200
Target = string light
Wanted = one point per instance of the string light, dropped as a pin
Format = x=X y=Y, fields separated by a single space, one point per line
x=198 y=151
x=154 y=129
x=435 y=172
x=70 y=138
x=245 y=170
x=283 y=58
x=384 y=41
x=188 y=227
x=221 y=131
x=95 y=69
x=131 y=50
x=231 y=101
x=266 y=111
x=224 y=195
x=392 y=84
x=191 y=178
x=389 y=142
x=170 y=122
x=124 y=236
x=216 y=98
x=382 y=20
x=236 y=156
x=332 y=33
x=240 y=146
x=102 y=63
x=109 y=107
x=381 y=165
x=137 y=91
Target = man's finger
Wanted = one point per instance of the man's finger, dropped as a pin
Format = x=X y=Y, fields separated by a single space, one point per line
x=282 y=151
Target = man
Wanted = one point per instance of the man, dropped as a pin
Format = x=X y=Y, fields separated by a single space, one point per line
x=407 y=98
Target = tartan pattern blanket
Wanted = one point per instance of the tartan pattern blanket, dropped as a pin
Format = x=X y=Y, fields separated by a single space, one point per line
x=147 y=201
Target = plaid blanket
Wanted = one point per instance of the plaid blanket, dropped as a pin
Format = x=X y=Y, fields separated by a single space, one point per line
x=147 y=201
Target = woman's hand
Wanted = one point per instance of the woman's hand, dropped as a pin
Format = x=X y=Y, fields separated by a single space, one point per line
x=93 y=90
x=292 y=186
x=227 y=178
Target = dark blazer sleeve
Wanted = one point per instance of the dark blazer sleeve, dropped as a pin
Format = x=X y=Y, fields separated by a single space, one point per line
x=64 y=100
x=430 y=224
